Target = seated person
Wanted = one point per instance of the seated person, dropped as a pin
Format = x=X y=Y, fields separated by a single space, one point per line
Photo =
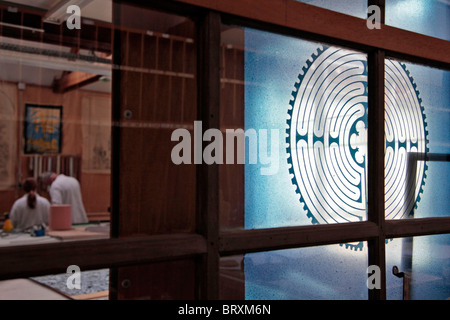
x=31 y=209
x=66 y=190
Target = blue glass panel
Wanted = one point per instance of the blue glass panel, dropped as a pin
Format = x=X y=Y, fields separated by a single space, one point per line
x=318 y=172
x=426 y=260
x=429 y=17
x=327 y=272
x=428 y=133
x=312 y=100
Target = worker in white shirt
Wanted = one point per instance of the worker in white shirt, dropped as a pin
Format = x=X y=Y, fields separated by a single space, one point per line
x=31 y=209
x=66 y=190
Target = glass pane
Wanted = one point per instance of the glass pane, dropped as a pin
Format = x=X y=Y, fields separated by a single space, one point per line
x=157 y=109
x=357 y=8
x=428 y=17
x=55 y=107
x=417 y=117
x=167 y=280
x=75 y=284
x=303 y=107
x=316 y=273
x=425 y=263
x=90 y=285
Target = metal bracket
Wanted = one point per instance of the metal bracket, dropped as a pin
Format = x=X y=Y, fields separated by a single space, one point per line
x=406 y=282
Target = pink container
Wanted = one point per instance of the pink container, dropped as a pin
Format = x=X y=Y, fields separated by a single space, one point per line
x=60 y=217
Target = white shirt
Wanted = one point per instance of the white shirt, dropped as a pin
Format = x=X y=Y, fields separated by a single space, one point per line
x=66 y=190
x=23 y=217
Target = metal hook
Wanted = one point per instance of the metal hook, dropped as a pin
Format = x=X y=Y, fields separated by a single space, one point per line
x=397 y=273
x=406 y=282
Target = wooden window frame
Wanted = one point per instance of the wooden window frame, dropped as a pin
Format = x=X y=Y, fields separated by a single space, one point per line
x=209 y=244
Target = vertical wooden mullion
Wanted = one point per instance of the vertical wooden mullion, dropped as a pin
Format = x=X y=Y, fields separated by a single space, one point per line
x=234 y=84
x=183 y=82
x=115 y=140
x=208 y=73
x=155 y=88
x=141 y=77
x=376 y=141
x=375 y=209
x=169 y=113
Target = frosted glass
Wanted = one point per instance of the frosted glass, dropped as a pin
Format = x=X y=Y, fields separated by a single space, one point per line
x=425 y=131
x=429 y=17
x=280 y=72
x=318 y=273
x=426 y=260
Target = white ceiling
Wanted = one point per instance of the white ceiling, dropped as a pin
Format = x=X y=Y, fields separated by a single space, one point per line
x=41 y=70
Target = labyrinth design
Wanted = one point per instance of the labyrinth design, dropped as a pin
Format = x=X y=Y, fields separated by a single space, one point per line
x=327 y=138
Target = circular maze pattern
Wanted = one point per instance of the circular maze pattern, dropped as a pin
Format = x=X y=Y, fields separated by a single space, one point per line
x=327 y=138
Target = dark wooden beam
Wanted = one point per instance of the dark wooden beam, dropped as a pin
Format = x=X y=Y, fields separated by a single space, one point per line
x=375 y=159
x=74 y=80
x=257 y=240
x=26 y=261
x=315 y=23
x=416 y=227
x=116 y=165
x=208 y=64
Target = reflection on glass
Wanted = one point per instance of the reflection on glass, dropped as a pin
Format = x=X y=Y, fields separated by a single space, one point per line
x=232 y=107
x=326 y=272
x=157 y=100
x=425 y=261
x=417 y=140
x=428 y=17
x=74 y=284
x=55 y=116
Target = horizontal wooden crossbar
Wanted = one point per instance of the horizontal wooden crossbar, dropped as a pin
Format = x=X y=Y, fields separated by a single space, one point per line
x=416 y=227
x=313 y=22
x=256 y=240
x=243 y=241
x=25 y=261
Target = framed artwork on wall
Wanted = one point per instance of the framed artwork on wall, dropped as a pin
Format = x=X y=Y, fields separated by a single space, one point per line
x=43 y=129
x=96 y=130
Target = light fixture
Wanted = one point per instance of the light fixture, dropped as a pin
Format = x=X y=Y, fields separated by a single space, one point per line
x=10 y=25
x=58 y=14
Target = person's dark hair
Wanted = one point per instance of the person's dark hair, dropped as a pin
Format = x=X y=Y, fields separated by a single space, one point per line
x=29 y=186
x=45 y=178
